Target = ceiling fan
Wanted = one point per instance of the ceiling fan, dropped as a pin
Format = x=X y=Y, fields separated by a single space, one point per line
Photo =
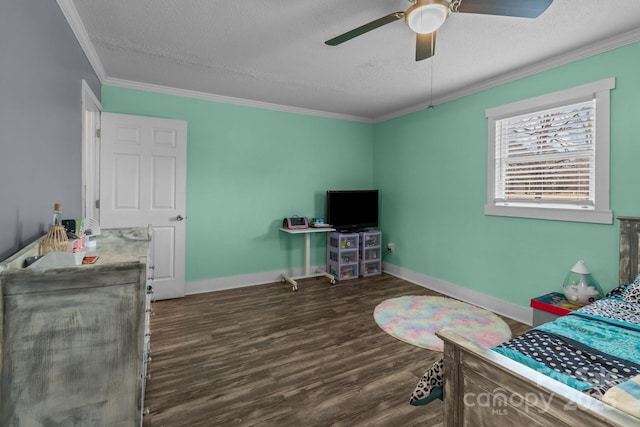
x=424 y=17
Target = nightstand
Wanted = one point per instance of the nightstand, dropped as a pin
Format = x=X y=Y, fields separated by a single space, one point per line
x=549 y=307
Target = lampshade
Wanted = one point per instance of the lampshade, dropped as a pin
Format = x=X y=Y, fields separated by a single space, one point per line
x=580 y=287
x=426 y=16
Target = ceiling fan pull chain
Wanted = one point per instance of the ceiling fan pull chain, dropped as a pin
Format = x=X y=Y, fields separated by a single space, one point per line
x=454 y=5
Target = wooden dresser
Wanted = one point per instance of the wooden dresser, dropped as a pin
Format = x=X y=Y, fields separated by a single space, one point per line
x=75 y=340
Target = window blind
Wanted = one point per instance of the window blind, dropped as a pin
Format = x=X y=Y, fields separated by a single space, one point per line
x=547 y=157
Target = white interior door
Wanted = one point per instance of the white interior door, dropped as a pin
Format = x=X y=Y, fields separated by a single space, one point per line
x=143 y=182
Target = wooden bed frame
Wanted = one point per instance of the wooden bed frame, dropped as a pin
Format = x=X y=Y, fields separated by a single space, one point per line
x=484 y=388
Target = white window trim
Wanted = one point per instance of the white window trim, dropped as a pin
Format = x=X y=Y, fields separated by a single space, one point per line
x=601 y=213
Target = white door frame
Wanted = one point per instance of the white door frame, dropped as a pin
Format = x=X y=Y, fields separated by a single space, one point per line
x=91 y=109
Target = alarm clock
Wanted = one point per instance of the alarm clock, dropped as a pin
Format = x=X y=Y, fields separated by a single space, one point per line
x=295 y=222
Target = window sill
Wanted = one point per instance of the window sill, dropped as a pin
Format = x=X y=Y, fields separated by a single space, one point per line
x=575 y=215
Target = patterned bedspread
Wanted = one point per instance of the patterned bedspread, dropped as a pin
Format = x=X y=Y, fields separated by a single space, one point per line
x=592 y=349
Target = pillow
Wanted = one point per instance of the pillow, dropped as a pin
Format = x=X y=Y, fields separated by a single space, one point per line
x=632 y=292
x=616 y=292
x=429 y=387
x=625 y=396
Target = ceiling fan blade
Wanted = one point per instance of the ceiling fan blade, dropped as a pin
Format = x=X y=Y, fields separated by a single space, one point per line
x=365 y=28
x=518 y=8
x=425 y=45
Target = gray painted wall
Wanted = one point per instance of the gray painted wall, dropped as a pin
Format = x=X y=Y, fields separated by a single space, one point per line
x=41 y=70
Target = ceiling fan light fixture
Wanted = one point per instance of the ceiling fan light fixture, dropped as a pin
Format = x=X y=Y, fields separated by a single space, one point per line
x=426 y=16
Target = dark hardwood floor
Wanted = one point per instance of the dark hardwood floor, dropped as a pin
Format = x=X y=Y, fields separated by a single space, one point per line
x=267 y=356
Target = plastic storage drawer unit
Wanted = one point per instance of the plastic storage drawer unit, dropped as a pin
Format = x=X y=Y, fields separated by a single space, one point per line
x=370 y=253
x=342 y=255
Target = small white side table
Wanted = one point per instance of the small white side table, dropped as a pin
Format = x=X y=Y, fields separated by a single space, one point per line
x=307 y=256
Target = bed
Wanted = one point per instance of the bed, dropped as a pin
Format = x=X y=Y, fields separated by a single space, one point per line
x=569 y=372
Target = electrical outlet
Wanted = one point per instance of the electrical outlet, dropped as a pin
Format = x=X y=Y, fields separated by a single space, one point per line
x=391 y=247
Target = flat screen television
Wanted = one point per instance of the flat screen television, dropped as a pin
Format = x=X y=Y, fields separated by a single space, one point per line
x=352 y=210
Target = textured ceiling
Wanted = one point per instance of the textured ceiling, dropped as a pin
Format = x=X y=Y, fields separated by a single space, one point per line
x=273 y=51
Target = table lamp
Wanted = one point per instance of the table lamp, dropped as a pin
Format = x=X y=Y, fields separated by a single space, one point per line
x=580 y=287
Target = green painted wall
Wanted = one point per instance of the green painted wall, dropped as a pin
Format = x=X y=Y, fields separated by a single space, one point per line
x=431 y=169
x=247 y=168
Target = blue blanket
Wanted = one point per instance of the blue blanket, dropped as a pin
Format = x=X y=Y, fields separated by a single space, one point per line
x=597 y=346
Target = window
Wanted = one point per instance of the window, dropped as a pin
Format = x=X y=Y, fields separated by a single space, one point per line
x=549 y=156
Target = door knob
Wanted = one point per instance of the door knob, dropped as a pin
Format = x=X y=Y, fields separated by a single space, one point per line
x=180 y=218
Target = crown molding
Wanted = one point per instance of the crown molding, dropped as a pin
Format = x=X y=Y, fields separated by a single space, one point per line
x=73 y=18
x=624 y=39
x=148 y=87
x=71 y=14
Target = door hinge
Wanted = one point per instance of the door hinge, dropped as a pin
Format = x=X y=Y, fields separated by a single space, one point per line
x=97 y=204
x=97 y=133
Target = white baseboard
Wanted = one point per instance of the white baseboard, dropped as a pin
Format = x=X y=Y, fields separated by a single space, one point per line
x=502 y=307
x=505 y=308
x=241 y=281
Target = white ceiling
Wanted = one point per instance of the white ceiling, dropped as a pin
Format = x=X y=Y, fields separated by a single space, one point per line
x=271 y=53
